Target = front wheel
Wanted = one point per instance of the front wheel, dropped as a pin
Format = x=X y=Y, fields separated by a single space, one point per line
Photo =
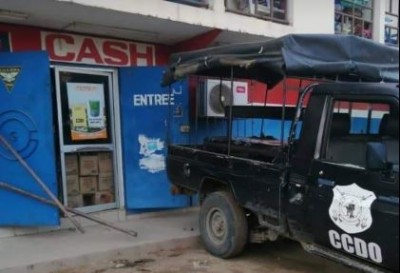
x=223 y=225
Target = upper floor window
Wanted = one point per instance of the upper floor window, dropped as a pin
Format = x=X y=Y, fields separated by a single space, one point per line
x=392 y=22
x=275 y=10
x=197 y=3
x=354 y=17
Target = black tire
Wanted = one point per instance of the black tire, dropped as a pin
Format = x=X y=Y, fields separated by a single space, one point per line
x=223 y=225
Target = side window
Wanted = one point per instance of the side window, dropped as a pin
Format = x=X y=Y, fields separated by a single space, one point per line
x=353 y=126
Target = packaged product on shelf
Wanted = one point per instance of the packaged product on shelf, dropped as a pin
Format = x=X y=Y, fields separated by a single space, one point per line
x=104 y=197
x=88 y=165
x=75 y=201
x=105 y=182
x=73 y=187
x=105 y=163
x=71 y=164
x=88 y=184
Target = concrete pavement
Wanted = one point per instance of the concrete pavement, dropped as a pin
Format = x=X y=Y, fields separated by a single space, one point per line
x=59 y=250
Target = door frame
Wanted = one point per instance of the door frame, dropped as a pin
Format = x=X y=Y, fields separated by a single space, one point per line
x=116 y=145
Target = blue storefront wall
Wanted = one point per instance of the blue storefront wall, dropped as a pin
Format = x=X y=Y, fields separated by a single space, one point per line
x=26 y=124
x=149 y=121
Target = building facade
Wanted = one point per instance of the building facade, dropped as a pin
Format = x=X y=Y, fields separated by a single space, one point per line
x=100 y=64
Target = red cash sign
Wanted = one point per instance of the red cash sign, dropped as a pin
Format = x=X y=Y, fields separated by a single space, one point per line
x=92 y=50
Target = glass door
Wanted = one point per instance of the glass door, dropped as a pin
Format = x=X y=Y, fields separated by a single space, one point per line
x=85 y=115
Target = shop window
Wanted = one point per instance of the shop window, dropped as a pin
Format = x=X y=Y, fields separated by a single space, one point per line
x=275 y=10
x=197 y=3
x=392 y=22
x=354 y=17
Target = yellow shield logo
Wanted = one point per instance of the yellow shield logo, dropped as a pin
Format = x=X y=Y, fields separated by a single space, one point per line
x=9 y=75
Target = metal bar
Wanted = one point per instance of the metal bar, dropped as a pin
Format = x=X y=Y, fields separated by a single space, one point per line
x=230 y=122
x=41 y=183
x=74 y=211
x=284 y=97
x=299 y=106
x=265 y=104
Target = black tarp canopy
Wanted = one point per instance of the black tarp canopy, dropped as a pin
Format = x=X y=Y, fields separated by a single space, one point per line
x=318 y=56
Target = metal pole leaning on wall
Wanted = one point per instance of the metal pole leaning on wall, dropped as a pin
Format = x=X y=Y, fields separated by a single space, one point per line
x=41 y=184
x=74 y=211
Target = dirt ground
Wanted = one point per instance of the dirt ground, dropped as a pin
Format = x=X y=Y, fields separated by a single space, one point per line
x=278 y=257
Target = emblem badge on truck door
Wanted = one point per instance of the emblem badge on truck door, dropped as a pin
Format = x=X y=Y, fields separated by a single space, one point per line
x=351 y=208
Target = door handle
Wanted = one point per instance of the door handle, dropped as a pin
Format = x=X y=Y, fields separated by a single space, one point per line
x=186 y=169
x=297 y=199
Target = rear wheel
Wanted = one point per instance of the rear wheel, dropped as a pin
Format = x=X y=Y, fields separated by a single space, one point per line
x=223 y=225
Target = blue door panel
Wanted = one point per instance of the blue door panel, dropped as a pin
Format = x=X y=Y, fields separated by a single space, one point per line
x=26 y=123
x=144 y=115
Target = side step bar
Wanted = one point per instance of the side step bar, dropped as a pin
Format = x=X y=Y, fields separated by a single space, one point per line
x=326 y=253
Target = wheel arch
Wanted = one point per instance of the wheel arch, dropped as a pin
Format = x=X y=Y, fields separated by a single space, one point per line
x=212 y=184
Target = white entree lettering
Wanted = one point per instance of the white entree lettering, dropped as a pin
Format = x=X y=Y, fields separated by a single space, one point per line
x=153 y=100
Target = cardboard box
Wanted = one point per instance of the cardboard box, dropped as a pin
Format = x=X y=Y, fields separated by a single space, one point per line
x=88 y=165
x=105 y=163
x=75 y=201
x=104 y=197
x=106 y=182
x=73 y=187
x=71 y=164
x=88 y=184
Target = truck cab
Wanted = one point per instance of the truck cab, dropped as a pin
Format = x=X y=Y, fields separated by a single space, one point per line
x=343 y=191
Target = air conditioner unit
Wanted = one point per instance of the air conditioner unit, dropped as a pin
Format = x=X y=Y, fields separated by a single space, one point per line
x=214 y=96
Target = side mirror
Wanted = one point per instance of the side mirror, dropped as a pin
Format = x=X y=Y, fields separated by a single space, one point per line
x=376 y=156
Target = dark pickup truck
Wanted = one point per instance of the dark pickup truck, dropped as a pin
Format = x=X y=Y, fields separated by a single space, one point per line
x=332 y=184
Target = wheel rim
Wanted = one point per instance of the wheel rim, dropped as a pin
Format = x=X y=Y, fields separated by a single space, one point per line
x=216 y=225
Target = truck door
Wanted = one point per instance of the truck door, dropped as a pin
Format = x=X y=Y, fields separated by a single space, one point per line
x=26 y=123
x=354 y=209
x=145 y=111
